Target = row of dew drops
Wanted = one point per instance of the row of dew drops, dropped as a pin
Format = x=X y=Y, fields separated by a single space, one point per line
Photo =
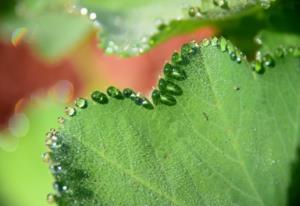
x=165 y=92
x=53 y=142
x=149 y=40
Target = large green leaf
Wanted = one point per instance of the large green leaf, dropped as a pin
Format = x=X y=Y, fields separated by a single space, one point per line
x=131 y=27
x=228 y=139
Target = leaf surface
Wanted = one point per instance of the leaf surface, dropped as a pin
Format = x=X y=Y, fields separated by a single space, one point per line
x=228 y=140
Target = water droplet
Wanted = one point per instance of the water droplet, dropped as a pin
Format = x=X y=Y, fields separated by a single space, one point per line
x=268 y=61
x=205 y=42
x=192 y=11
x=81 y=103
x=99 y=97
x=160 y=24
x=258 y=40
x=51 y=198
x=169 y=87
x=46 y=157
x=52 y=140
x=56 y=169
x=147 y=104
x=93 y=16
x=223 y=44
x=237 y=88
x=155 y=96
x=60 y=120
x=83 y=11
x=174 y=72
x=176 y=58
x=256 y=66
x=220 y=3
x=114 y=92
x=214 y=41
x=137 y=100
x=60 y=187
x=188 y=49
x=70 y=111
x=232 y=56
x=279 y=52
x=128 y=92
x=167 y=99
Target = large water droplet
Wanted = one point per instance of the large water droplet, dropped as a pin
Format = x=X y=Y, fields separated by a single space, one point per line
x=174 y=72
x=268 y=61
x=223 y=44
x=128 y=92
x=188 y=49
x=99 y=97
x=155 y=96
x=70 y=111
x=147 y=104
x=114 y=92
x=232 y=56
x=81 y=103
x=167 y=99
x=169 y=87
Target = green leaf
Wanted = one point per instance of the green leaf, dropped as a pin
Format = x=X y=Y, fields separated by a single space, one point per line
x=228 y=137
x=24 y=178
x=132 y=27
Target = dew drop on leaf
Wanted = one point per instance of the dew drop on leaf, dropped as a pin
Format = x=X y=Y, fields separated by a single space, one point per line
x=81 y=103
x=46 y=157
x=56 y=169
x=60 y=188
x=128 y=92
x=114 y=92
x=60 y=120
x=70 y=111
x=174 y=72
x=99 y=97
x=205 y=42
x=155 y=96
x=233 y=56
x=223 y=44
x=268 y=61
x=167 y=99
x=256 y=66
x=169 y=87
x=51 y=198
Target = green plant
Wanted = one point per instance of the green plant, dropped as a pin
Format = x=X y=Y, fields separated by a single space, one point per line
x=219 y=129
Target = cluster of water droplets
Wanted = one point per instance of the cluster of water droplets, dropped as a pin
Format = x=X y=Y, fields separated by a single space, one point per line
x=267 y=60
x=54 y=142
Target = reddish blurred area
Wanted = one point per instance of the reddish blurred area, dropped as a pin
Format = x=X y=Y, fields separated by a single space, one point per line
x=22 y=72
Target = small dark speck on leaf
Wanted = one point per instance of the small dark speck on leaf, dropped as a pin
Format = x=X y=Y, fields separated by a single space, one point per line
x=205 y=115
x=237 y=88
